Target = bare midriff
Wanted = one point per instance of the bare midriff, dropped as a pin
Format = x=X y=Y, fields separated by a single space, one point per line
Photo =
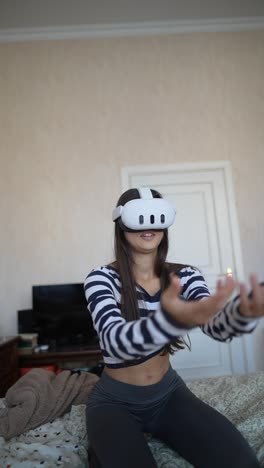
x=146 y=373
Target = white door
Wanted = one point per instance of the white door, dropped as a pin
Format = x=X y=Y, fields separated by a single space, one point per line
x=205 y=234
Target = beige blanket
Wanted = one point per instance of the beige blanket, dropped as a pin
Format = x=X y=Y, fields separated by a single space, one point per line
x=41 y=396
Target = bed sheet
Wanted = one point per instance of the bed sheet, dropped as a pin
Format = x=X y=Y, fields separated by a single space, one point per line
x=63 y=442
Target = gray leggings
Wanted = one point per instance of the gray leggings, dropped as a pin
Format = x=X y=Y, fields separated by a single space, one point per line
x=118 y=415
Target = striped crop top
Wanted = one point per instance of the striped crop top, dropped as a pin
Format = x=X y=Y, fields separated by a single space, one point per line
x=141 y=339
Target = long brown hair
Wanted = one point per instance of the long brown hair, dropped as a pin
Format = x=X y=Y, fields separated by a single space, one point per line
x=124 y=265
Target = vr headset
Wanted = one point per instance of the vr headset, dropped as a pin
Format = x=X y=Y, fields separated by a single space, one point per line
x=145 y=213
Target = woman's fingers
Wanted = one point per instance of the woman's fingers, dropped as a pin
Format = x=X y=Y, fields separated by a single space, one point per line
x=252 y=305
x=244 y=300
x=256 y=289
x=225 y=287
x=172 y=292
x=227 y=283
x=175 y=283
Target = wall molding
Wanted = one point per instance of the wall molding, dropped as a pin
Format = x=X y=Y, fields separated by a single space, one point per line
x=147 y=28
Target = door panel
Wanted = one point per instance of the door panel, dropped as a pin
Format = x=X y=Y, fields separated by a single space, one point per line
x=206 y=358
x=203 y=235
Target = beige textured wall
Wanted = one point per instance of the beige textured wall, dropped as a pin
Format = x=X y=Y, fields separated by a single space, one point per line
x=74 y=112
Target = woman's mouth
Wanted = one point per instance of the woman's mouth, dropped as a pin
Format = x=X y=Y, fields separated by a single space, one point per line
x=147 y=235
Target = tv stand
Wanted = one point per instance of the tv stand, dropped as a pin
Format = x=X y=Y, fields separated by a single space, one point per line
x=86 y=355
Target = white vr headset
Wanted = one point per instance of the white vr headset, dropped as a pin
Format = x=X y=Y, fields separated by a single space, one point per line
x=145 y=212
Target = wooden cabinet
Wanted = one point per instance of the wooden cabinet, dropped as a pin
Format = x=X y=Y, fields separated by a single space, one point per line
x=9 y=372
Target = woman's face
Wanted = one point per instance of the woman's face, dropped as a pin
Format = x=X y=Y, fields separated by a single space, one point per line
x=144 y=241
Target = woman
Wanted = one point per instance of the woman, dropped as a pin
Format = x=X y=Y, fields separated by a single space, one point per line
x=141 y=308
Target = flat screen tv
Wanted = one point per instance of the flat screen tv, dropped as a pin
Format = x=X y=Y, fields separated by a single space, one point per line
x=61 y=316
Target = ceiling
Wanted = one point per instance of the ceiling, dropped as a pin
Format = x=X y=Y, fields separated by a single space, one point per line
x=25 y=15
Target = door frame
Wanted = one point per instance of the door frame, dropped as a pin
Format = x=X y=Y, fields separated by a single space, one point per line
x=246 y=362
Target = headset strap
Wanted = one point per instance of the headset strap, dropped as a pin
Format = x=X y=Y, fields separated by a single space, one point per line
x=145 y=193
x=117 y=212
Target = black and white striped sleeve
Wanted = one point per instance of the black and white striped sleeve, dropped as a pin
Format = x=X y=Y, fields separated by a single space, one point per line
x=118 y=337
x=228 y=322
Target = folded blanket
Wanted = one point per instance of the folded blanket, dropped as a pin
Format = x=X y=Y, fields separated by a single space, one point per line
x=41 y=396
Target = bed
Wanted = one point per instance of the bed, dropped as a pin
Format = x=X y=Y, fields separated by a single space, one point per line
x=63 y=442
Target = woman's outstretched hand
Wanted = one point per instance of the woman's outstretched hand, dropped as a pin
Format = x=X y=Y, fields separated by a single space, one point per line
x=195 y=313
x=253 y=305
